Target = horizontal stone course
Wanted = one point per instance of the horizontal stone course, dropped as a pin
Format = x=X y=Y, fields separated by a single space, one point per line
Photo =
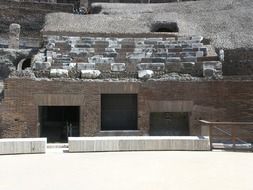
x=142 y=143
x=23 y=145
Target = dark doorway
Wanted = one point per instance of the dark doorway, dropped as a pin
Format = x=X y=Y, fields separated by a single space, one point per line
x=57 y=123
x=118 y=112
x=169 y=124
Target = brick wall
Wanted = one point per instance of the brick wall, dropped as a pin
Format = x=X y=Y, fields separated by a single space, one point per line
x=208 y=100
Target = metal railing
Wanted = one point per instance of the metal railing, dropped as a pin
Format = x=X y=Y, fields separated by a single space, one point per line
x=233 y=135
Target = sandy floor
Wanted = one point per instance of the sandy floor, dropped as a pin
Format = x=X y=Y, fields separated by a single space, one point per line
x=128 y=170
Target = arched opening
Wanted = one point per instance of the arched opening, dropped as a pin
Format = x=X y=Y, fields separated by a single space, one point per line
x=23 y=64
x=165 y=27
x=26 y=64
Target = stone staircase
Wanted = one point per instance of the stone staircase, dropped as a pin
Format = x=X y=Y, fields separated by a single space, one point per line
x=101 y=57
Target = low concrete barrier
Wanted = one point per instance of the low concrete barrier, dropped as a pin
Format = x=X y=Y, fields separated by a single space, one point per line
x=137 y=143
x=23 y=145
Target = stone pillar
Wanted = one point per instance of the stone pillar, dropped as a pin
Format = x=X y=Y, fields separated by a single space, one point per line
x=14 y=36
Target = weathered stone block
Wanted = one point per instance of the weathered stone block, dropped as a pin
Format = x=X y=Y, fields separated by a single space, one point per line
x=196 y=39
x=187 y=54
x=197 y=45
x=90 y=74
x=188 y=64
x=199 y=54
x=173 y=59
x=117 y=67
x=152 y=41
x=63 y=59
x=110 y=54
x=158 y=60
x=151 y=66
x=189 y=59
x=58 y=73
x=100 y=59
x=145 y=74
x=85 y=66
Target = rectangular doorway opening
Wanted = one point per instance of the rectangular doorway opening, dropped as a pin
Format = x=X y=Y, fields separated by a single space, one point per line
x=57 y=123
x=169 y=124
x=118 y=111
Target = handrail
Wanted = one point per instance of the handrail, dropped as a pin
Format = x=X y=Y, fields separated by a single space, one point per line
x=226 y=123
x=229 y=134
x=234 y=126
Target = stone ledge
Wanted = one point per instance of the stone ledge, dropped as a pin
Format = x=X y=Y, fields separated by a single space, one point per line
x=22 y=145
x=138 y=143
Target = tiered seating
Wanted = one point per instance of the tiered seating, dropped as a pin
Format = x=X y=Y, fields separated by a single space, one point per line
x=96 y=57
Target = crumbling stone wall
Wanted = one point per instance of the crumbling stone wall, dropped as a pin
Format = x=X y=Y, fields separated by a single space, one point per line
x=211 y=100
x=92 y=57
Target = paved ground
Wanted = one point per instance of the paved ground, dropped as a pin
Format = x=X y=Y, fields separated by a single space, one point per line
x=128 y=170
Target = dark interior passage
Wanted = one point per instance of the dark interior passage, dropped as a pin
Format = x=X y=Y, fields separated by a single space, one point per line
x=26 y=64
x=169 y=124
x=118 y=112
x=59 y=122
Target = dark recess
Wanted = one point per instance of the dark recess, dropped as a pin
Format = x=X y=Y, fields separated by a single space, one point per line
x=169 y=124
x=164 y=27
x=118 y=112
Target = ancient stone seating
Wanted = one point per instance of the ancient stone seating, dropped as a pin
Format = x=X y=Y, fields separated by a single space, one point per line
x=97 y=57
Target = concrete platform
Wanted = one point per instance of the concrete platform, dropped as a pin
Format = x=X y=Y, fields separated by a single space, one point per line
x=143 y=143
x=23 y=145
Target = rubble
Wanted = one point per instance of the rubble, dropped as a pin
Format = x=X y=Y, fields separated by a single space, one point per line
x=117 y=67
